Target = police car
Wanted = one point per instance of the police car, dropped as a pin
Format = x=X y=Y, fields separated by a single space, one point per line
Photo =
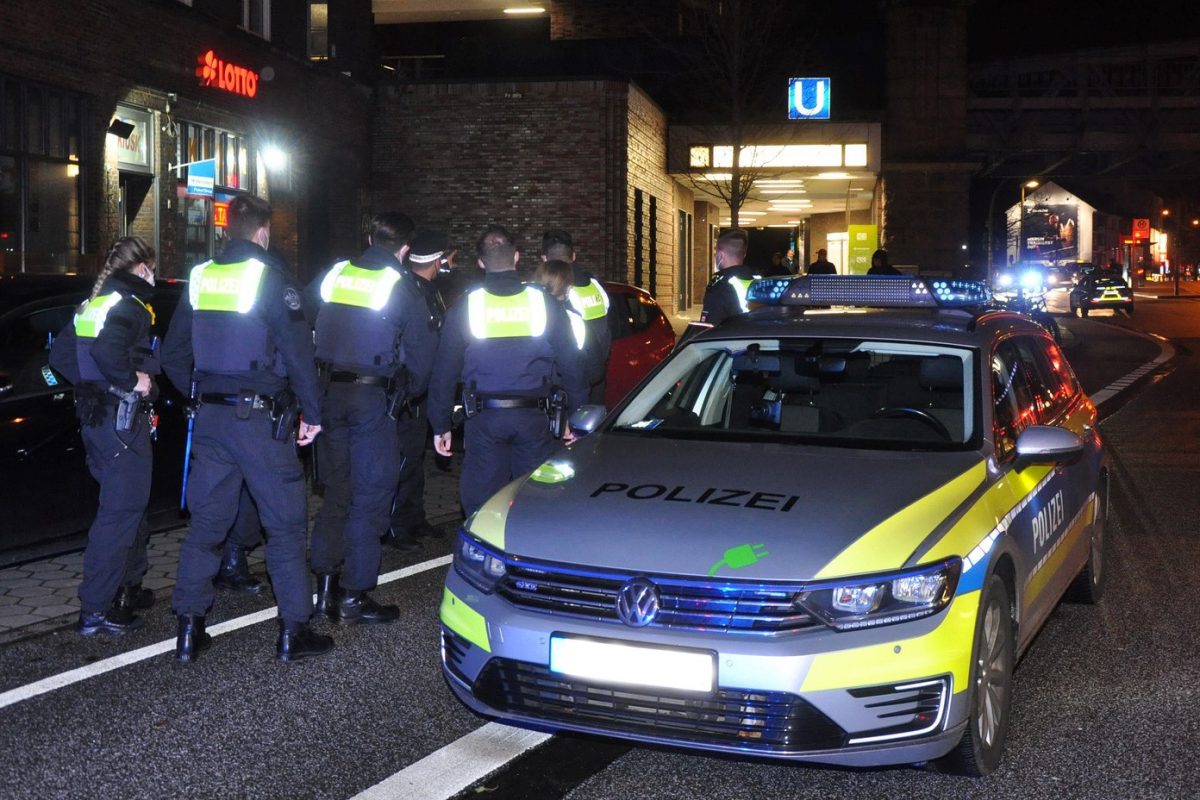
x=823 y=531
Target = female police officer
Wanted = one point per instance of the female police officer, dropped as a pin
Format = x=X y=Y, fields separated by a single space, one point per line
x=107 y=352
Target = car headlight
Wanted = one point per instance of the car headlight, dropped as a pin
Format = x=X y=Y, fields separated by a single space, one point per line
x=1004 y=280
x=873 y=600
x=1031 y=281
x=479 y=565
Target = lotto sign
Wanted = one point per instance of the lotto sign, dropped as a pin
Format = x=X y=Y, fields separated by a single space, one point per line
x=1141 y=229
x=808 y=98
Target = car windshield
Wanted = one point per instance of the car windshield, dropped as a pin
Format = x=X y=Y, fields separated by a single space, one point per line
x=856 y=393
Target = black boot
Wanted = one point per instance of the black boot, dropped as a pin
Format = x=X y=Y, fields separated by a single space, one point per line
x=357 y=608
x=425 y=530
x=133 y=598
x=400 y=541
x=235 y=572
x=328 y=594
x=297 y=640
x=114 y=622
x=191 y=638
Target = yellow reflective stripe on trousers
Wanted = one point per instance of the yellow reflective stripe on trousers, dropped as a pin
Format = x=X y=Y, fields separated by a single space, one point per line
x=464 y=620
x=947 y=648
x=891 y=542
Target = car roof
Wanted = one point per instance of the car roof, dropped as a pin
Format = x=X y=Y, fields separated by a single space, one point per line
x=956 y=327
x=24 y=288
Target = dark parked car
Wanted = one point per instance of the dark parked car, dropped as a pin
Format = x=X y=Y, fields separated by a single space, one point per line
x=47 y=495
x=1101 y=289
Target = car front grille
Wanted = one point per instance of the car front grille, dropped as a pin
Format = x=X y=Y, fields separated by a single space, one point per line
x=769 y=721
x=683 y=603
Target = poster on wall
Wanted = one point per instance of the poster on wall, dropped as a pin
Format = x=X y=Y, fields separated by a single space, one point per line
x=1050 y=233
x=863 y=240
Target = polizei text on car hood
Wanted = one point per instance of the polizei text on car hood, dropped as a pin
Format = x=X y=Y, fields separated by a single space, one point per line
x=731 y=510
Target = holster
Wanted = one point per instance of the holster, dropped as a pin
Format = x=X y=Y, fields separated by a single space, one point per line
x=284 y=412
x=470 y=401
x=557 y=411
x=397 y=399
x=130 y=403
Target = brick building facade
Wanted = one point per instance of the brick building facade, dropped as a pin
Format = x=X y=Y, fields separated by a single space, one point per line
x=69 y=186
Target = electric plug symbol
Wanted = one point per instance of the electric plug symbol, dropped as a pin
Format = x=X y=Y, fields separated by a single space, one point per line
x=741 y=556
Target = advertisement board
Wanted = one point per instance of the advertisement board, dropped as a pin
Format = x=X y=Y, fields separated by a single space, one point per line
x=862 y=241
x=202 y=177
x=1049 y=233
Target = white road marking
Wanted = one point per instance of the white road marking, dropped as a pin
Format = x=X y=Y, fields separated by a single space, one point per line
x=1124 y=382
x=446 y=772
x=45 y=685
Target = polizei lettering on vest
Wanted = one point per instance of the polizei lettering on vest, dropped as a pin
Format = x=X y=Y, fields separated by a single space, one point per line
x=738 y=498
x=216 y=285
x=507 y=314
x=354 y=284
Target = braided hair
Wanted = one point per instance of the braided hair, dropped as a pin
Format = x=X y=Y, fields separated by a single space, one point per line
x=126 y=253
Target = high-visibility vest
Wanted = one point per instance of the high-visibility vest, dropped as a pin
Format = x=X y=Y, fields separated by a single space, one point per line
x=494 y=316
x=740 y=287
x=352 y=331
x=89 y=321
x=227 y=337
x=590 y=301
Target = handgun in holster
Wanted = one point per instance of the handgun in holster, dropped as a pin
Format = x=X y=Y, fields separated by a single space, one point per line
x=556 y=409
x=285 y=409
x=397 y=398
x=127 y=409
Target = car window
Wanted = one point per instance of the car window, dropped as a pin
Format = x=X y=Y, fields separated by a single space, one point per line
x=1015 y=408
x=630 y=313
x=1053 y=386
x=25 y=339
x=842 y=392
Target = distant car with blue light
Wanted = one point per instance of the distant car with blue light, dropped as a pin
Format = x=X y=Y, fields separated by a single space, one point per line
x=822 y=531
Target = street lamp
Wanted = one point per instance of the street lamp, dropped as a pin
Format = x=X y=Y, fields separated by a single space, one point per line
x=1021 y=226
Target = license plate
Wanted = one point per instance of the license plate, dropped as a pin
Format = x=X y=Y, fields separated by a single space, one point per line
x=632 y=665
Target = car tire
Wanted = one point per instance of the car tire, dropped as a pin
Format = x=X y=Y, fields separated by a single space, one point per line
x=990 y=698
x=1088 y=586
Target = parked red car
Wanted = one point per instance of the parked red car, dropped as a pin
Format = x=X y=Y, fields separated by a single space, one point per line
x=641 y=337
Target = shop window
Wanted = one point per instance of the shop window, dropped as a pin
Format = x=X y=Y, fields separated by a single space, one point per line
x=10 y=216
x=256 y=17
x=318 y=31
x=52 y=223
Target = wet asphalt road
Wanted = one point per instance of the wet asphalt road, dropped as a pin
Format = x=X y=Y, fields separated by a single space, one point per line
x=1106 y=701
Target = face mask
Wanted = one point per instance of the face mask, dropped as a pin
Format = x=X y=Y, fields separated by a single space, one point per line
x=148 y=274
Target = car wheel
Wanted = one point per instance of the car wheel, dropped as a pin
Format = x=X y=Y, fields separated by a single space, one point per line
x=990 y=701
x=1088 y=586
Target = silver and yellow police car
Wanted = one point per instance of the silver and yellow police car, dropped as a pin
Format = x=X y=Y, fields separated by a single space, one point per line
x=823 y=531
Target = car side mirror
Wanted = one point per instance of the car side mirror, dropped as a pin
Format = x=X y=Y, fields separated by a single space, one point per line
x=1047 y=444
x=587 y=418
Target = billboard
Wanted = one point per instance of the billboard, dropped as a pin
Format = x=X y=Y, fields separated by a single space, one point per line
x=1050 y=233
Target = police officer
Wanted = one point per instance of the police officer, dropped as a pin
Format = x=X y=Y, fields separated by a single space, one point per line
x=423 y=264
x=726 y=293
x=587 y=298
x=107 y=352
x=374 y=346
x=503 y=341
x=243 y=330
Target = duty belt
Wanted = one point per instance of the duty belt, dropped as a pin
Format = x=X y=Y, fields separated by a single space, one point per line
x=514 y=402
x=339 y=376
x=261 y=402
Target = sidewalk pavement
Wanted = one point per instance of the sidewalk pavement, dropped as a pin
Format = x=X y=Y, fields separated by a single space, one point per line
x=43 y=594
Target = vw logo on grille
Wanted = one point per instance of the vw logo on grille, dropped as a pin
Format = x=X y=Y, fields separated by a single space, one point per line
x=637 y=603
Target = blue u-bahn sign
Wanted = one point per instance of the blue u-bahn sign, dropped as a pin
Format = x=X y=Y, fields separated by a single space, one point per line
x=808 y=98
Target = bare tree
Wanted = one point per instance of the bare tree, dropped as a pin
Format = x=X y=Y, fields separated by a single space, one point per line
x=741 y=52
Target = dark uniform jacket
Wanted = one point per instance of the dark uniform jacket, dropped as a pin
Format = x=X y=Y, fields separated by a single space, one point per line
x=597 y=341
x=720 y=299
x=405 y=315
x=124 y=346
x=278 y=306
x=514 y=367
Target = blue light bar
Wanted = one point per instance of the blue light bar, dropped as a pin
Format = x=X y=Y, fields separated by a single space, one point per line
x=868 y=291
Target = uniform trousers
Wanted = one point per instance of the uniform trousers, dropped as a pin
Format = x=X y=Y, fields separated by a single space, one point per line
x=501 y=444
x=360 y=465
x=227 y=451
x=408 y=509
x=122 y=463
